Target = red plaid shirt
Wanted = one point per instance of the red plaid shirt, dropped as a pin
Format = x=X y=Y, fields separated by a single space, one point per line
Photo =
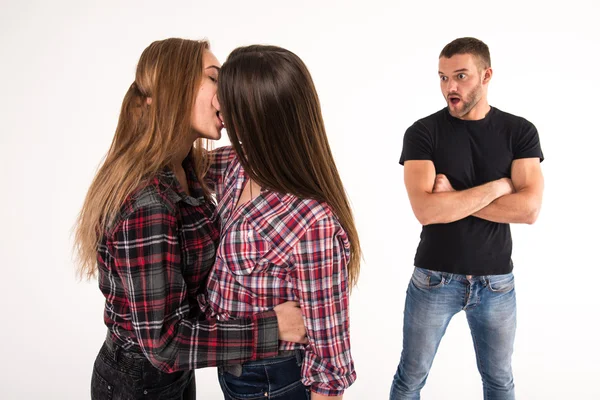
x=276 y=248
x=153 y=263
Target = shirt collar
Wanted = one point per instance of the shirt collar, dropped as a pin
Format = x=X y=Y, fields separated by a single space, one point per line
x=175 y=191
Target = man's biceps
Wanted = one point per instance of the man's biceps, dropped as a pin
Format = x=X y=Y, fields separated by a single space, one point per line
x=528 y=179
x=419 y=180
x=526 y=166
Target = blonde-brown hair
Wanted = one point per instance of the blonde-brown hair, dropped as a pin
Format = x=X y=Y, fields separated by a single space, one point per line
x=270 y=104
x=148 y=134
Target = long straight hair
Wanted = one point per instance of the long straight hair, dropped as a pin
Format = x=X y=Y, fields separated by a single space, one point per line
x=148 y=135
x=273 y=118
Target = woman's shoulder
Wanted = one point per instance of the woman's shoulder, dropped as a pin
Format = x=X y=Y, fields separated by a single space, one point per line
x=153 y=196
x=321 y=220
x=314 y=211
x=299 y=215
x=224 y=154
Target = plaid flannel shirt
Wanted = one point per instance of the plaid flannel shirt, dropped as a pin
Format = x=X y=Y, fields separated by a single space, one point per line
x=276 y=248
x=153 y=264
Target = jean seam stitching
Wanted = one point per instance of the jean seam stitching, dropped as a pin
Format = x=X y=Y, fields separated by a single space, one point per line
x=489 y=285
x=268 y=382
x=477 y=357
x=287 y=388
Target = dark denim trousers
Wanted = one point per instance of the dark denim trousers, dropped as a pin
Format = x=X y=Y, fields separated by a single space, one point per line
x=125 y=375
x=273 y=378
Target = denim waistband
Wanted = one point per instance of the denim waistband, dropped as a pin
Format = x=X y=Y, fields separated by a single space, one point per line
x=118 y=358
x=110 y=343
x=126 y=357
x=236 y=369
x=448 y=276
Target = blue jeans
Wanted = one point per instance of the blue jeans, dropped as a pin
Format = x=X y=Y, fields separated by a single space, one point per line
x=432 y=299
x=271 y=378
x=125 y=375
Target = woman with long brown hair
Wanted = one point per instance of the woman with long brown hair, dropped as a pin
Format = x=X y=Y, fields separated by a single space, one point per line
x=147 y=230
x=287 y=228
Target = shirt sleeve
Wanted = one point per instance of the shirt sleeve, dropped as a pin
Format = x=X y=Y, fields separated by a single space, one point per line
x=148 y=260
x=321 y=258
x=220 y=159
x=417 y=144
x=527 y=143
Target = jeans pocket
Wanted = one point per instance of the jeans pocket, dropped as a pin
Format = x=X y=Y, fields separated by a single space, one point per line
x=101 y=389
x=293 y=391
x=275 y=378
x=427 y=279
x=174 y=390
x=501 y=283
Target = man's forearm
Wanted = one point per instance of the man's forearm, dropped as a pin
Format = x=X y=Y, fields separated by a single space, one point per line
x=521 y=207
x=447 y=207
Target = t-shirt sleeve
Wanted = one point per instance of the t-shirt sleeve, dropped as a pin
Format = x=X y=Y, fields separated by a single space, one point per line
x=527 y=143
x=418 y=144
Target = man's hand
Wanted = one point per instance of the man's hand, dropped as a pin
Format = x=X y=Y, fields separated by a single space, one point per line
x=442 y=184
x=524 y=189
x=291 y=324
x=506 y=186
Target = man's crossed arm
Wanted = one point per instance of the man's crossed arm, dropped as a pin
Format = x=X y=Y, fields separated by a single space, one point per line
x=434 y=200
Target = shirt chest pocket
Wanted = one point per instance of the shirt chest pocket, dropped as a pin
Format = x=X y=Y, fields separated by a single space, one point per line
x=198 y=251
x=244 y=252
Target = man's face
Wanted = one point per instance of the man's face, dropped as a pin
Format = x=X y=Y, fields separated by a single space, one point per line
x=462 y=82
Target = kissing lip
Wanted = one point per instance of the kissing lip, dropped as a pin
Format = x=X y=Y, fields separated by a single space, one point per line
x=220 y=117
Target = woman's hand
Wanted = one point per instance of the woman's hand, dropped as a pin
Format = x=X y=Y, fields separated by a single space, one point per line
x=291 y=324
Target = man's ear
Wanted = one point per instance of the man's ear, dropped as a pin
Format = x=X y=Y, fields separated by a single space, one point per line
x=487 y=75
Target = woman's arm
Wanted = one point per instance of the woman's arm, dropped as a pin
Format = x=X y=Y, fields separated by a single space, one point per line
x=148 y=260
x=320 y=259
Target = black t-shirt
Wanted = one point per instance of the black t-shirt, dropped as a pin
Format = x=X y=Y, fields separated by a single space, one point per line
x=469 y=153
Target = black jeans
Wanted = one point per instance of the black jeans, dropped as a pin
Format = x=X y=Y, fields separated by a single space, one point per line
x=271 y=378
x=125 y=375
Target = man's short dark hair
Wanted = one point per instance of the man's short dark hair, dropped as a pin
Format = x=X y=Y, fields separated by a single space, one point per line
x=468 y=45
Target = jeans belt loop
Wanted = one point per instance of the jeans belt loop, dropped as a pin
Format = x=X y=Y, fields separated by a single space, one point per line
x=299 y=356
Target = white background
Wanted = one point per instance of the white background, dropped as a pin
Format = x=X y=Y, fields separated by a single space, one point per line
x=65 y=66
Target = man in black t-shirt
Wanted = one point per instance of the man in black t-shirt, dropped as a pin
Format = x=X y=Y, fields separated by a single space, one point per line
x=470 y=170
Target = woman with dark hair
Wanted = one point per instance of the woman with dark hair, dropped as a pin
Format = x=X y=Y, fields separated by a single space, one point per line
x=147 y=231
x=287 y=228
